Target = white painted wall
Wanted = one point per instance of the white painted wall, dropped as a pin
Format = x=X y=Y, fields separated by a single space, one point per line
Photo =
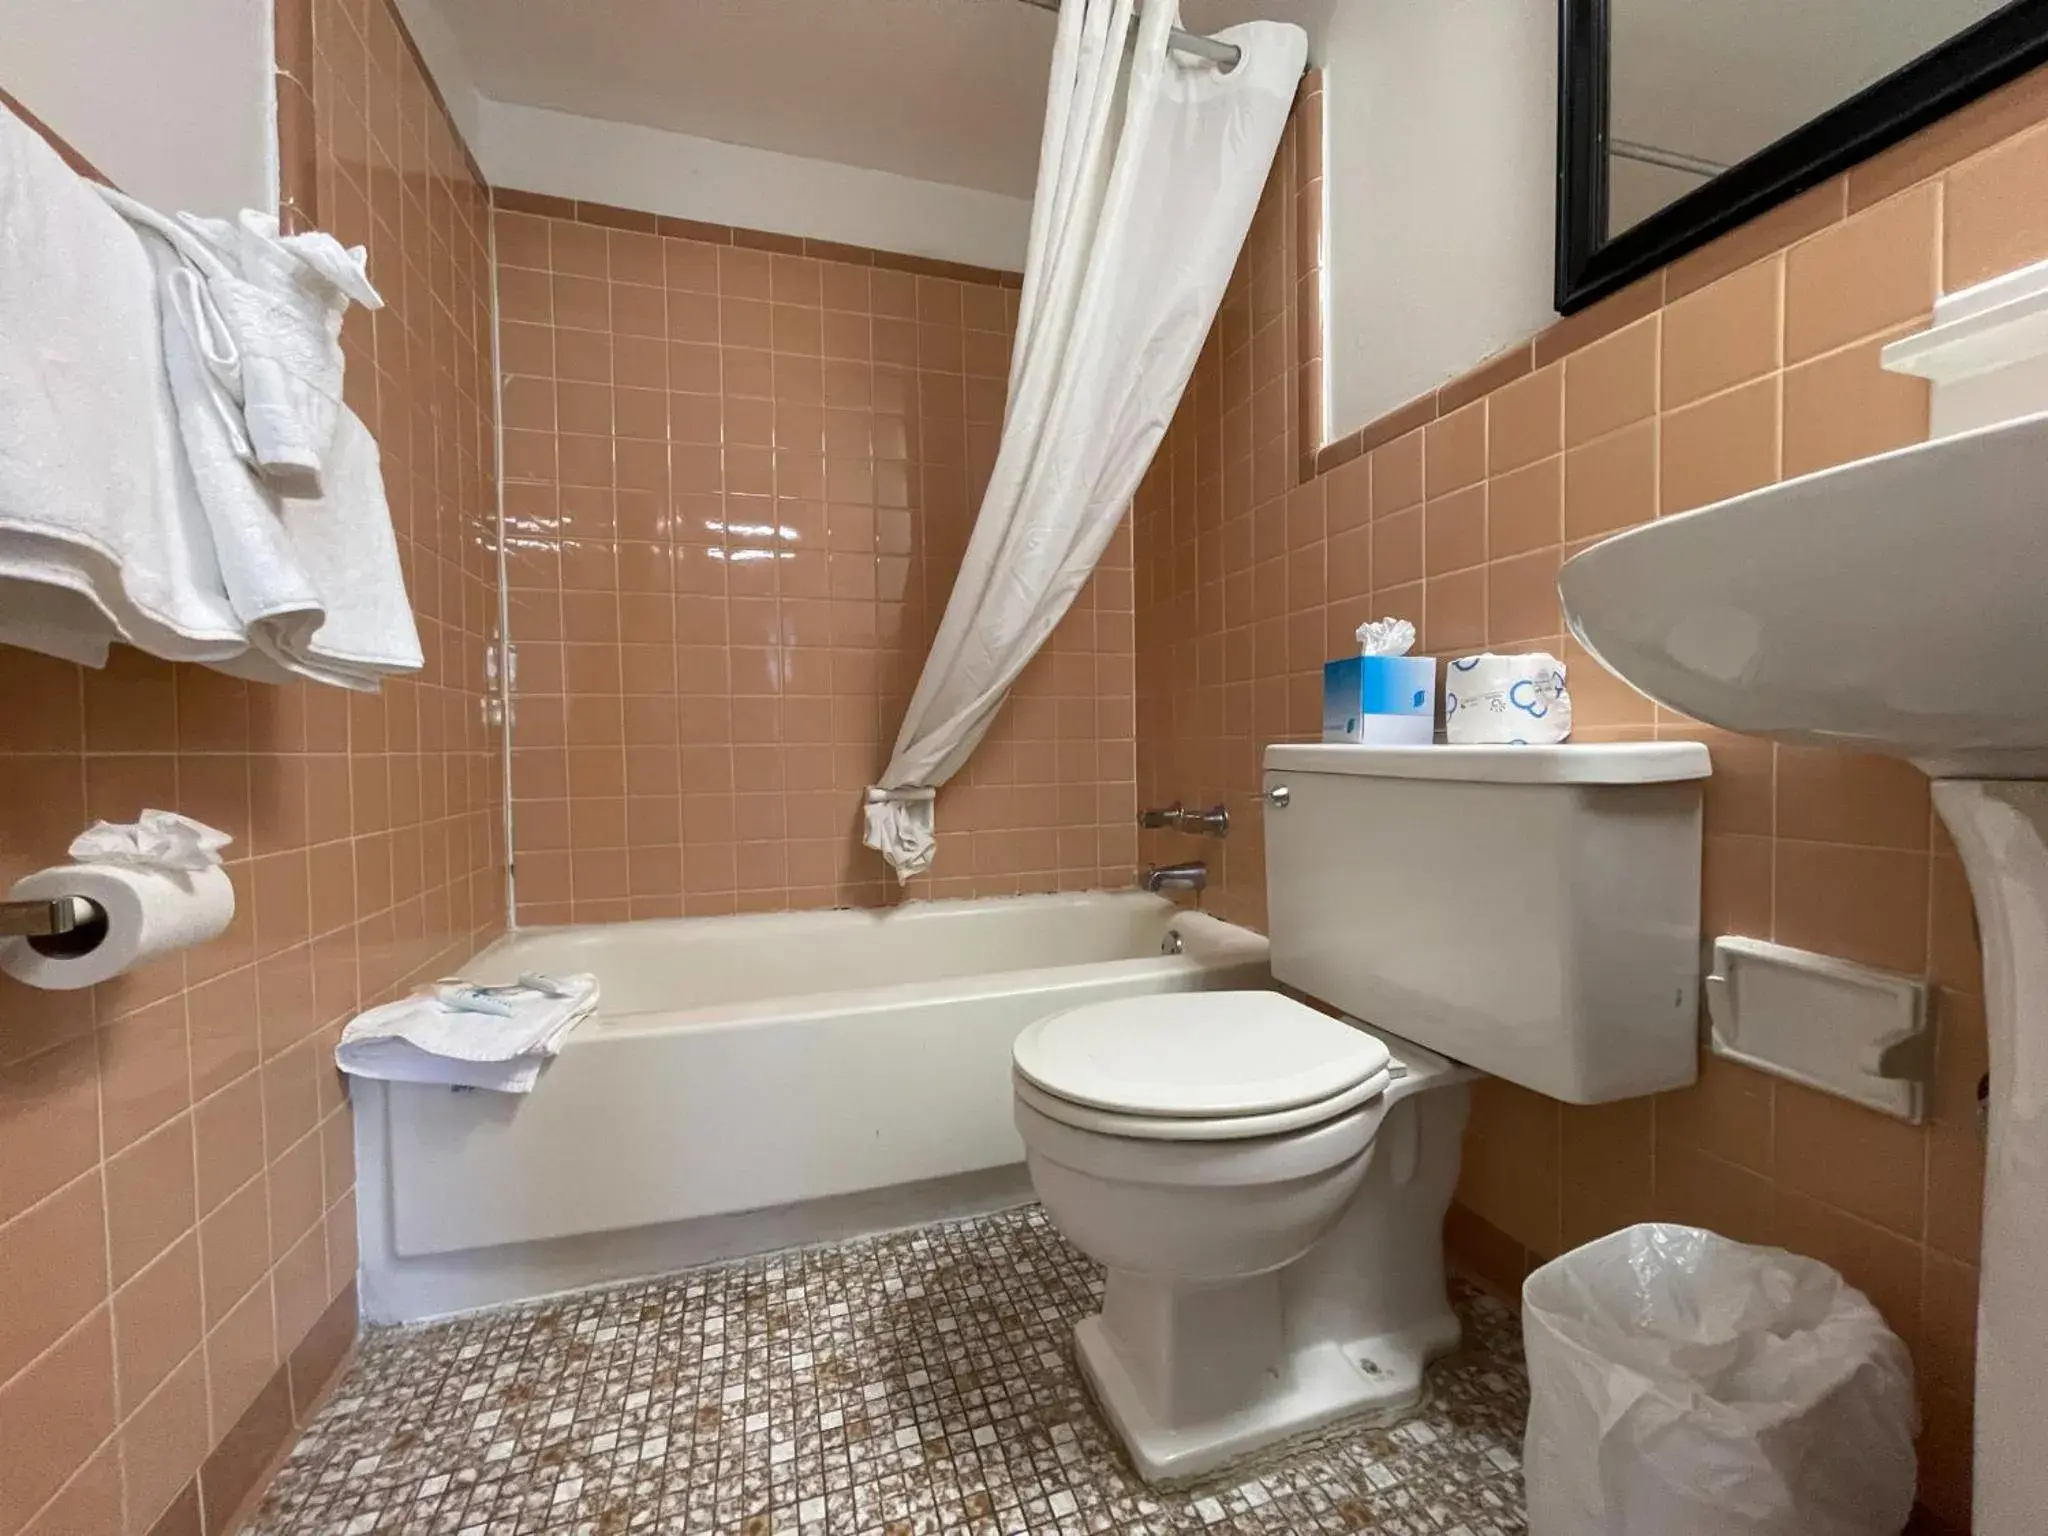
x=174 y=100
x=443 y=54
x=535 y=150
x=1441 y=146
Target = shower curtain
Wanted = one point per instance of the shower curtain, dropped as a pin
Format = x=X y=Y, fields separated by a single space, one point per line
x=1150 y=170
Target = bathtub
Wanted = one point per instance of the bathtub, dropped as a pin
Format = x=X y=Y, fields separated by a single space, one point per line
x=750 y=1083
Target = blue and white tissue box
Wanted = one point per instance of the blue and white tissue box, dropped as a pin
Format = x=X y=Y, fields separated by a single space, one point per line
x=1382 y=701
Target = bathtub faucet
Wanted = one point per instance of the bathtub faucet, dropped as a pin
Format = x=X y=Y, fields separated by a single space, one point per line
x=1181 y=877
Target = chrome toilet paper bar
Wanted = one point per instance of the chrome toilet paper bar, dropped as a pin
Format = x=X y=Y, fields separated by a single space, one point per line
x=45 y=919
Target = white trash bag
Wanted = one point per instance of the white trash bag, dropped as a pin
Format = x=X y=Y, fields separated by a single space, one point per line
x=1681 y=1384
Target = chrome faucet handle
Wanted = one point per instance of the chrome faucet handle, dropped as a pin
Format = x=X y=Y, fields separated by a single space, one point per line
x=1214 y=822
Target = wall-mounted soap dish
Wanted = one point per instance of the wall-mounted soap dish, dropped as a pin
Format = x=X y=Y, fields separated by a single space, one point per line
x=1831 y=1024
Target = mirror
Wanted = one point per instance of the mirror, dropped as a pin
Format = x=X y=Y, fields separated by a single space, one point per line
x=1679 y=119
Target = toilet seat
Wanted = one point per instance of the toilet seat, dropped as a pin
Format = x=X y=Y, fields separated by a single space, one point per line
x=1102 y=1122
x=1203 y=1066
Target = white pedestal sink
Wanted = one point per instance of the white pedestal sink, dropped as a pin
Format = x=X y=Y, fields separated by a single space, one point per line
x=1898 y=605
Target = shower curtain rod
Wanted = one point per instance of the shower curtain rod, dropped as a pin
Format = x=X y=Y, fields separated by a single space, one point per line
x=1225 y=54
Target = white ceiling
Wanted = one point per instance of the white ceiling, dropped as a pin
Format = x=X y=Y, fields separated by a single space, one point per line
x=942 y=90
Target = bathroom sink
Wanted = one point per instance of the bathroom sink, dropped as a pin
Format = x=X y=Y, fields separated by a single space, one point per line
x=1898 y=604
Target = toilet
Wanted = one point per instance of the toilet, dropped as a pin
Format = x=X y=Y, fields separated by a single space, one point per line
x=1265 y=1177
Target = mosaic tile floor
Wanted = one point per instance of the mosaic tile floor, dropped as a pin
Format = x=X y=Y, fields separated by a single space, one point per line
x=916 y=1383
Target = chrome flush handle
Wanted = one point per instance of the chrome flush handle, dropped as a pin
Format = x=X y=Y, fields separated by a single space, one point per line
x=1279 y=797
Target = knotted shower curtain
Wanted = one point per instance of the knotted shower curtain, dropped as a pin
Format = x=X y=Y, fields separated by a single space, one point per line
x=1150 y=170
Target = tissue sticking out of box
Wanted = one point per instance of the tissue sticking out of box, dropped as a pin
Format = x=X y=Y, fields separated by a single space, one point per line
x=1506 y=700
x=1386 y=637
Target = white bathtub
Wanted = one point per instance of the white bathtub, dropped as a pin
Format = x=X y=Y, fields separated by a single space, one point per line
x=750 y=1083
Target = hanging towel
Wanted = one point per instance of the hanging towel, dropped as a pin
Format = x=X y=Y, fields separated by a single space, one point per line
x=444 y=1038
x=346 y=543
x=102 y=536
x=315 y=579
x=282 y=299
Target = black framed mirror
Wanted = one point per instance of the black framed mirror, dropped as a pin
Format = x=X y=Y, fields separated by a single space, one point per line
x=1680 y=119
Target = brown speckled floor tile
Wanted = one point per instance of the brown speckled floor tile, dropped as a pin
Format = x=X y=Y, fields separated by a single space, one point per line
x=921 y=1382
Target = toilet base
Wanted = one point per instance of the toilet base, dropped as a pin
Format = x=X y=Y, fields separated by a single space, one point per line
x=1317 y=1386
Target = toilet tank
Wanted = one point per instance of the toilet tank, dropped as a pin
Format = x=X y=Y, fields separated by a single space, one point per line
x=1530 y=911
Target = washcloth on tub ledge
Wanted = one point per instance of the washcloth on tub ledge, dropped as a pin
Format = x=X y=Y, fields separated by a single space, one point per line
x=460 y=1036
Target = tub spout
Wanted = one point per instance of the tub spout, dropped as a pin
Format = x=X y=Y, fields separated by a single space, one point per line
x=1180 y=877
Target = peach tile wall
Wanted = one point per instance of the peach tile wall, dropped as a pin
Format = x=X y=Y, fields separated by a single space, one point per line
x=177 y=1222
x=739 y=481
x=1749 y=361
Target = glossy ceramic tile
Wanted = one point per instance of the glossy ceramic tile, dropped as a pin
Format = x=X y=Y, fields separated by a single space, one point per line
x=176 y=1186
x=1748 y=361
x=921 y=1382
x=740 y=482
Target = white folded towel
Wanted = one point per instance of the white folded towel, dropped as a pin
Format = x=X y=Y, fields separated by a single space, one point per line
x=314 y=576
x=422 y=1039
x=102 y=537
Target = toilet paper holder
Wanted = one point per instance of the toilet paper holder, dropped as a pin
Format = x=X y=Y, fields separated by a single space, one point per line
x=67 y=924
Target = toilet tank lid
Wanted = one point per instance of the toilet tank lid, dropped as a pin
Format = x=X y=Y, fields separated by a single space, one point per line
x=1617 y=762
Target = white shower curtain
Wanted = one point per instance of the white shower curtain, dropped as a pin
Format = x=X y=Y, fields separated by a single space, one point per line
x=1150 y=171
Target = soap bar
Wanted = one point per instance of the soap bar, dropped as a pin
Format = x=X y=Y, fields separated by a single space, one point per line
x=1380 y=700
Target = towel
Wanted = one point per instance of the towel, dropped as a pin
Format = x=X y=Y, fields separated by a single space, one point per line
x=345 y=542
x=425 y=1039
x=102 y=536
x=314 y=576
x=282 y=299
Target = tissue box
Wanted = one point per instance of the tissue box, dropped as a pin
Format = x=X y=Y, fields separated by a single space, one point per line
x=1380 y=700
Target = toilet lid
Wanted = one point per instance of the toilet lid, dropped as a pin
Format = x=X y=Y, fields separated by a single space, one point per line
x=1197 y=1054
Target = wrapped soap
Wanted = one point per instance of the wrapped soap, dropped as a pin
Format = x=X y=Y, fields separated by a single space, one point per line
x=1507 y=700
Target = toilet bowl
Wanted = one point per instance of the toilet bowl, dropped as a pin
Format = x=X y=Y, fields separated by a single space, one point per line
x=1266 y=1187
x=1266 y=1184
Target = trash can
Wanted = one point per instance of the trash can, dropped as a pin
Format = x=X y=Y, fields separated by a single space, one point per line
x=1681 y=1384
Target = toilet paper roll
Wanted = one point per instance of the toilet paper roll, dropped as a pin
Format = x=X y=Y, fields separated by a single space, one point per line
x=1502 y=700
x=149 y=912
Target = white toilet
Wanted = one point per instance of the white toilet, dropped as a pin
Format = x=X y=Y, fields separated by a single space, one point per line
x=1266 y=1184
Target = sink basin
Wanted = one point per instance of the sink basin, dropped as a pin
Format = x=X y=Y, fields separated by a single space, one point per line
x=1898 y=604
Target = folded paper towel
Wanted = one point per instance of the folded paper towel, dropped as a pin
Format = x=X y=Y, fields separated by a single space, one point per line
x=1506 y=700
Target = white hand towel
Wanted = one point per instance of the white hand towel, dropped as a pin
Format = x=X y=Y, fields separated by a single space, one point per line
x=316 y=581
x=346 y=543
x=421 y=1040
x=284 y=305
x=101 y=534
